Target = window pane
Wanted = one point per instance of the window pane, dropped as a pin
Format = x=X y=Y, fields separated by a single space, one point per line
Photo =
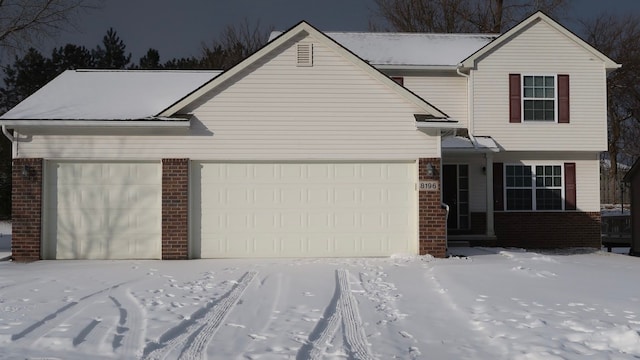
x=548 y=181
x=548 y=170
x=557 y=181
x=557 y=170
x=519 y=199
x=464 y=196
x=528 y=92
x=528 y=81
x=548 y=81
x=538 y=81
x=463 y=170
x=540 y=181
x=548 y=199
x=539 y=92
x=549 y=93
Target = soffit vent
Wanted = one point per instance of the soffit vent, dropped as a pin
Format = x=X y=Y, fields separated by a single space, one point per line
x=305 y=54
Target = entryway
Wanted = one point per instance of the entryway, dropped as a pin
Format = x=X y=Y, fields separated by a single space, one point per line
x=455 y=193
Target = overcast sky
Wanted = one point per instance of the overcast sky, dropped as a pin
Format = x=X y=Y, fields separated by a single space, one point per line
x=177 y=28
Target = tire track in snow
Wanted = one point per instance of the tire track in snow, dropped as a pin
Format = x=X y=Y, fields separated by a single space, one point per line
x=353 y=329
x=130 y=317
x=212 y=318
x=343 y=309
x=38 y=329
x=324 y=331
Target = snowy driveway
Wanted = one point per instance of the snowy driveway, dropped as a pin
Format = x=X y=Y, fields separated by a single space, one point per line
x=493 y=304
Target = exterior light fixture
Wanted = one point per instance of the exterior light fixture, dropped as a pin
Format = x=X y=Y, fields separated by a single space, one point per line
x=430 y=169
x=26 y=171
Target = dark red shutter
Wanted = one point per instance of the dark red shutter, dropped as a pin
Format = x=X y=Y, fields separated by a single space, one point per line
x=563 y=99
x=498 y=187
x=398 y=79
x=515 y=101
x=570 y=186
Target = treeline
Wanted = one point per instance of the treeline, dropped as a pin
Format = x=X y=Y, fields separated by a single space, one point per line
x=29 y=72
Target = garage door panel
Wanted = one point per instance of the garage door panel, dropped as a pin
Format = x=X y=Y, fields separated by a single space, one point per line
x=106 y=210
x=291 y=209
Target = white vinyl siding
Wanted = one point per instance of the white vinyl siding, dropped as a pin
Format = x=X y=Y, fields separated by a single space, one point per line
x=540 y=49
x=447 y=92
x=102 y=210
x=276 y=111
x=303 y=209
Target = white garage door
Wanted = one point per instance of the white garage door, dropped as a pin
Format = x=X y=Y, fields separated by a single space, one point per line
x=303 y=210
x=102 y=210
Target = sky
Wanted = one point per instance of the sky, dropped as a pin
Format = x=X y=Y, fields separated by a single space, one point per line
x=179 y=28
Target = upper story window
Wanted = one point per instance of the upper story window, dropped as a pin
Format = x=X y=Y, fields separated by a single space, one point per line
x=538 y=98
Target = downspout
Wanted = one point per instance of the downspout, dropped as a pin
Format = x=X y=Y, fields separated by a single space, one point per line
x=469 y=105
x=14 y=142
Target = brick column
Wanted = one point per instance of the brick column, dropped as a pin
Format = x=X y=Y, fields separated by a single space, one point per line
x=432 y=223
x=26 y=209
x=175 y=209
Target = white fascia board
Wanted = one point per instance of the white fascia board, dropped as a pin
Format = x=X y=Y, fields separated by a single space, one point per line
x=14 y=124
x=439 y=125
x=416 y=67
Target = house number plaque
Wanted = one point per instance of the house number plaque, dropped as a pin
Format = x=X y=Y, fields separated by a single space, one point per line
x=430 y=185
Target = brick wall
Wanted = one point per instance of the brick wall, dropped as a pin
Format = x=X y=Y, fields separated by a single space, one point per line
x=175 y=209
x=540 y=230
x=432 y=223
x=26 y=207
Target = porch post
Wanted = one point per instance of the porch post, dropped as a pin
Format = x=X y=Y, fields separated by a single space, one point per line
x=489 y=185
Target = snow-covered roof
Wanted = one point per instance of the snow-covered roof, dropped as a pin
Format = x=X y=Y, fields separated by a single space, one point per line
x=410 y=49
x=109 y=94
x=482 y=143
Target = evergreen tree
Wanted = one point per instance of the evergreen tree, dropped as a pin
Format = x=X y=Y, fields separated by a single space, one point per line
x=70 y=57
x=113 y=55
x=150 y=61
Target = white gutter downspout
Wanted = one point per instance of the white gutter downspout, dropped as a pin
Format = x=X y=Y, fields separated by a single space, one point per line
x=488 y=157
x=14 y=143
x=469 y=106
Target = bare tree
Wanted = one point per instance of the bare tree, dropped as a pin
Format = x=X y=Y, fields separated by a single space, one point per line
x=619 y=38
x=453 y=16
x=234 y=44
x=25 y=22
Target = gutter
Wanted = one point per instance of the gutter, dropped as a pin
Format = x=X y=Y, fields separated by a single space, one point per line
x=7 y=134
x=469 y=105
x=13 y=139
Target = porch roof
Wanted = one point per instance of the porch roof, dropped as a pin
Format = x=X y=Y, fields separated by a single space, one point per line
x=464 y=144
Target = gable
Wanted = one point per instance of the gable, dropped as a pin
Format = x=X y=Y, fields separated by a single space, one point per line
x=534 y=23
x=276 y=107
x=303 y=29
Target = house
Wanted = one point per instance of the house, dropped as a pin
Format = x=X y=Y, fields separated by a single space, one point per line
x=633 y=178
x=319 y=144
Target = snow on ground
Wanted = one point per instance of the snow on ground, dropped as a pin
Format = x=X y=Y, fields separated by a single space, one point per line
x=483 y=304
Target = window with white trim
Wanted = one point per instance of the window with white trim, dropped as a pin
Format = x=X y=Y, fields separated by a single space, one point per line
x=539 y=97
x=534 y=187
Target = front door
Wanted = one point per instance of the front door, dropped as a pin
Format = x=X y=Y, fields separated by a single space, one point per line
x=455 y=193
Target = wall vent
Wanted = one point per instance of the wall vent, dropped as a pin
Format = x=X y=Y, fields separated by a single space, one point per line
x=305 y=54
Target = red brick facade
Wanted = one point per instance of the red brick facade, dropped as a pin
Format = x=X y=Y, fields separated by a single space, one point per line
x=432 y=223
x=26 y=209
x=544 y=230
x=175 y=209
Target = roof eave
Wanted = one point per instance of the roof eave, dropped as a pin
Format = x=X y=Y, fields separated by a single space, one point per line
x=414 y=67
x=61 y=123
